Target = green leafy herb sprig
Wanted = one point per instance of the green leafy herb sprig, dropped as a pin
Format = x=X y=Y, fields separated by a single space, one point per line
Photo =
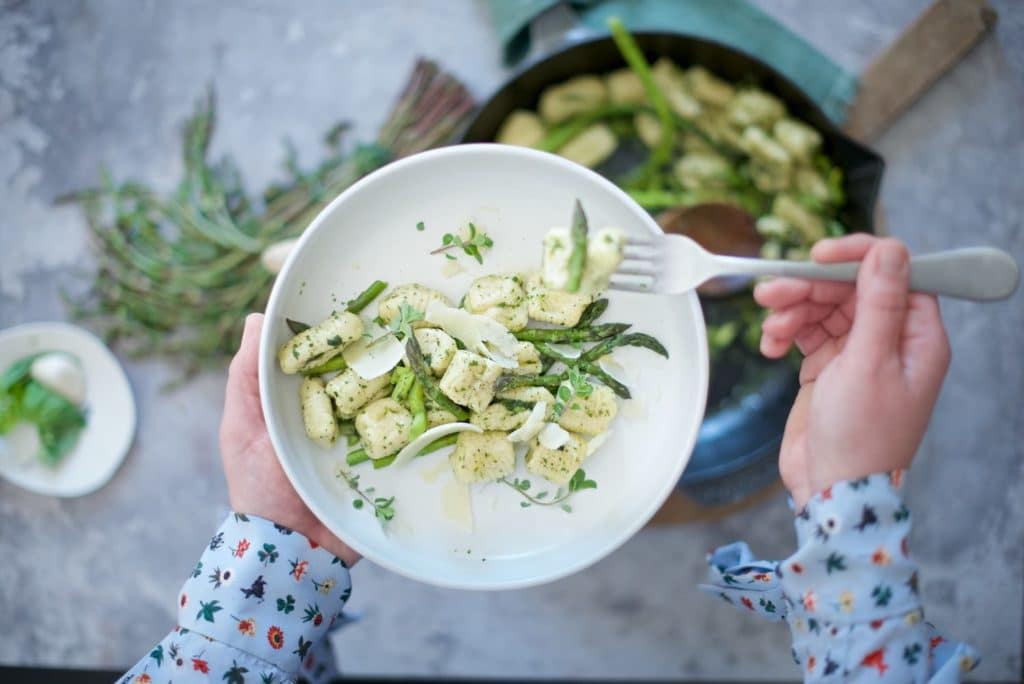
x=577 y=483
x=383 y=507
x=476 y=241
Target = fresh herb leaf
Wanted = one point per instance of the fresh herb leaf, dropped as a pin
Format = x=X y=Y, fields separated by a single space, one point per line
x=577 y=483
x=472 y=246
x=383 y=507
x=401 y=325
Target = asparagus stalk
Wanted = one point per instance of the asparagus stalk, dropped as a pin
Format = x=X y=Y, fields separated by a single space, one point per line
x=593 y=311
x=590 y=334
x=578 y=257
x=366 y=296
x=662 y=153
x=430 y=388
x=629 y=340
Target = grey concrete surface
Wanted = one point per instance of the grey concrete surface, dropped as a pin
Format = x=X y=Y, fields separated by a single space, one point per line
x=92 y=581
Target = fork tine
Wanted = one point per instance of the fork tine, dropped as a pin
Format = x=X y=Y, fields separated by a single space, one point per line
x=641 y=269
x=632 y=285
x=632 y=240
x=639 y=251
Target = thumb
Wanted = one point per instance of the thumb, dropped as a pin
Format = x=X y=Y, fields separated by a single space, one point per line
x=241 y=397
x=882 y=293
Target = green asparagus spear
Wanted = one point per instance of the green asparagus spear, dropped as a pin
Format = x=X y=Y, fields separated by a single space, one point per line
x=418 y=408
x=662 y=152
x=599 y=373
x=336 y=363
x=546 y=351
x=356 y=457
x=296 y=326
x=507 y=382
x=590 y=334
x=630 y=340
x=558 y=136
x=430 y=389
x=402 y=378
x=578 y=258
x=366 y=296
x=593 y=311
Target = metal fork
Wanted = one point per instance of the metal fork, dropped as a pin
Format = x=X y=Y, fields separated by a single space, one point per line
x=672 y=264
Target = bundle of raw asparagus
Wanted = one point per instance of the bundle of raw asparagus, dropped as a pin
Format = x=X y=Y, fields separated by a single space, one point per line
x=177 y=274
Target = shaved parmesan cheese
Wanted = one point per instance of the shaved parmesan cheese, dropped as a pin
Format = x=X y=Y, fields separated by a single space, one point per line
x=534 y=423
x=482 y=335
x=553 y=436
x=566 y=350
x=457 y=505
x=613 y=368
x=435 y=471
x=416 y=446
x=596 y=442
x=374 y=354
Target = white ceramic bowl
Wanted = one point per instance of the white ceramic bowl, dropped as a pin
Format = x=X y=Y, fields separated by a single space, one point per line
x=515 y=195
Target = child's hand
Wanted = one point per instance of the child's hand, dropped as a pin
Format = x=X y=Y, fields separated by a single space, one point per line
x=875 y=358
x=256 y=483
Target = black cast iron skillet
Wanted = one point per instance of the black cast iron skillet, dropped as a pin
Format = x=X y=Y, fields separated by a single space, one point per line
x=749 y=397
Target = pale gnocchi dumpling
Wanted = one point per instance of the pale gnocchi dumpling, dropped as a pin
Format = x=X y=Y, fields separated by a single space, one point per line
x=530 y=395
x=436 y=416
x=320 y=343
x=557 y=465
x=497 y=416
x=528 y=359
x=383 y=427
x=754 y=107
x=317 y=413
x=554 y=306
x=416 y=296
x=351 y=392
x=523 y=128
x=576 y=96
x=703 y=170
x=591 y=146
x=708 y=88
x=647 y=128
x=801 y=140
x=438 y=348
x=625 y=87
x=590 y=415
x=810 y=225
x=482 y=457
x=500 y=297
x=469 y=380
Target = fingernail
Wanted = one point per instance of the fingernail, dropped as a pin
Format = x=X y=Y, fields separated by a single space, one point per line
x=891 y=261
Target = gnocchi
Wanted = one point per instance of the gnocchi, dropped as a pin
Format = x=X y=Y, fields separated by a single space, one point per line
x=482 y=457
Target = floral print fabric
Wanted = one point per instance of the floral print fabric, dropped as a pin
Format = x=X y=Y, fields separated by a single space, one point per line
x=256 y=608
x=849 y=593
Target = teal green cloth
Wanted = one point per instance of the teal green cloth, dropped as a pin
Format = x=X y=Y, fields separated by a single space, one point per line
x=733 y=22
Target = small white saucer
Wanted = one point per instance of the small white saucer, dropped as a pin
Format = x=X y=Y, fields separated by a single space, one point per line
x=110 y=414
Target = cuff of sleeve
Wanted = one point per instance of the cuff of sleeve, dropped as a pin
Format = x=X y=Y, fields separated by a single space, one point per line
x=737 y=578
x=853 y=564
x=265 y=590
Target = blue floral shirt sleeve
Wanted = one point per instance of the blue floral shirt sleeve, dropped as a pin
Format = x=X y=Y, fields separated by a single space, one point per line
x=849 y=593
x=256 y=608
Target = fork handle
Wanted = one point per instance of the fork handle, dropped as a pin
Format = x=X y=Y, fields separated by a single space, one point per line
x=976 y=273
